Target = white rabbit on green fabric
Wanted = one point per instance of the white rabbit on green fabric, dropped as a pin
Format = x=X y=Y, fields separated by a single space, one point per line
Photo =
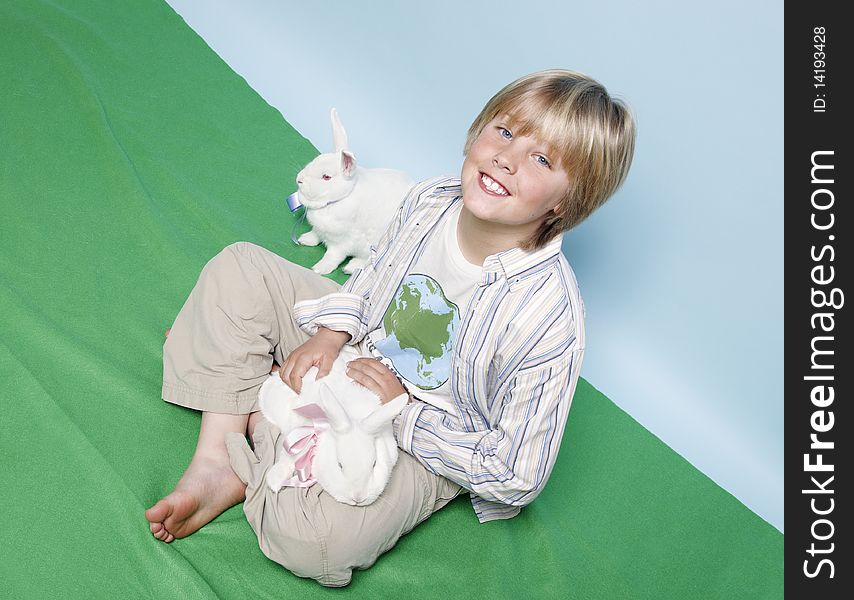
x=347 y=206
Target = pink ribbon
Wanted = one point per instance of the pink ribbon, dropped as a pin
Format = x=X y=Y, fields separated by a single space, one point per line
x=301 y=442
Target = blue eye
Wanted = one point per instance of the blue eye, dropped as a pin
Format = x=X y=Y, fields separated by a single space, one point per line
x=505 y=133
x=543 y=160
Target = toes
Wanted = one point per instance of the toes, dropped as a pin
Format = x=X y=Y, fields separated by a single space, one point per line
x=161 y=534
x=159 y=512
x=159 y=531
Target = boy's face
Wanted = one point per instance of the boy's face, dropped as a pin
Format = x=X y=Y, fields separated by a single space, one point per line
x=511 y=180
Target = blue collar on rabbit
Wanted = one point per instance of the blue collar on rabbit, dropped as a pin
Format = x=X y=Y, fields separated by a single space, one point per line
x=294 y=205
x=294 y=202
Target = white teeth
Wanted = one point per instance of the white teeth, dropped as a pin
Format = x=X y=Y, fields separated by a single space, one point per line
x=493 y=186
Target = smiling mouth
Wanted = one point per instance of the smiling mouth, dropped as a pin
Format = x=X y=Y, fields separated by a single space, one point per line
x=492 y=187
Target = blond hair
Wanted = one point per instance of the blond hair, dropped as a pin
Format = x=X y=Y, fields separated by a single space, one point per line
x=591 y=134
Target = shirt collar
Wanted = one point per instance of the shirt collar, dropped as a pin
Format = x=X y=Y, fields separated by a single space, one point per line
x=512 y=263
x=515 y=262
x=448 y=187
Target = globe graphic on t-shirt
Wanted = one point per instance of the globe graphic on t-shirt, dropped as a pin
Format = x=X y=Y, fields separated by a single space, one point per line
x=420 y=325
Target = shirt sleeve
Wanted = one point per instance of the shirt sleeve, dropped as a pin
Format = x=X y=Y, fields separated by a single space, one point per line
x=349 y=308
x=511 y=462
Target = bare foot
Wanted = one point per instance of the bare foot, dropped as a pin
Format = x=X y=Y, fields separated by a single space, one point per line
x=208 y=487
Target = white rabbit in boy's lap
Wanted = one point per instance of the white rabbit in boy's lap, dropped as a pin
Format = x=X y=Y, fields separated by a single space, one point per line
x=348 y=207
x=350 y=451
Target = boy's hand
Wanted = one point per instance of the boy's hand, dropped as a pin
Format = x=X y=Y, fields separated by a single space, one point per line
x=320 y=351
x=375 y=376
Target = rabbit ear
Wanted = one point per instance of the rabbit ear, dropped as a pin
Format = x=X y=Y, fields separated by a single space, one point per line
x=384 y=414
x=275 y=399
x=339 y=136
x=348 y=163
x=338 y=418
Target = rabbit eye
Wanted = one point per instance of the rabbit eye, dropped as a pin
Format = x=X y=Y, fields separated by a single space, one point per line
x=375 y=464
x=340 y=466
x=327 y=177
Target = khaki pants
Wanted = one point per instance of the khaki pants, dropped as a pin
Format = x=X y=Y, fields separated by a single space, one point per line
x=236 y=321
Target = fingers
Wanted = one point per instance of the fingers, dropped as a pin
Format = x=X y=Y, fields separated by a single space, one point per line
x=366 y=378
x=286 y=368
x=324 y=366
x=313 y=353
x=371 y=367
x=295 y=368
x=291 y=379
x=376 y=377
x=359 y=372
x=293 y=376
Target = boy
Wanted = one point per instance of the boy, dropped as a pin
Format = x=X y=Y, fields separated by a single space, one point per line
x=490 y=360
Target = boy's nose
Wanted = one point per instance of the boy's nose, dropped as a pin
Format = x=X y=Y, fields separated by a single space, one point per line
x=503 y=161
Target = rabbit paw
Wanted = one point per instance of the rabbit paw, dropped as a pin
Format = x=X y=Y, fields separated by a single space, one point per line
x=353 y=265
x=309 y=238
x=279 y=473
x=323 y=268
x=329 y=261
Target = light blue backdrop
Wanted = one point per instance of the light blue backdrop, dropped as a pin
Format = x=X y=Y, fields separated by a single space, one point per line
x=682 y=270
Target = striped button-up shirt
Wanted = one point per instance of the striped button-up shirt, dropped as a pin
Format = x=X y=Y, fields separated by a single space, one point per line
x=514 y=365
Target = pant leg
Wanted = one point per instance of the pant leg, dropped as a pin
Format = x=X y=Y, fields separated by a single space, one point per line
x=235 y=321
x=355 y=537
x=313 y=535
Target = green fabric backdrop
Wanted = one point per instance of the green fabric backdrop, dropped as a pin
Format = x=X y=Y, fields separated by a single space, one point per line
x=130 y=154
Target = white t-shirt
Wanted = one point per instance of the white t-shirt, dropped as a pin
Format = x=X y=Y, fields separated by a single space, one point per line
x=419 y=329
